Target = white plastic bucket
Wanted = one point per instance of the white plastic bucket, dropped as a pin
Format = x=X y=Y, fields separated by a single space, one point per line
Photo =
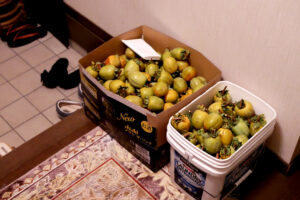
x=211 y=173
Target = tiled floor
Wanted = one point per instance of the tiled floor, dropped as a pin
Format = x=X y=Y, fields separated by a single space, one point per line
x=27 y=107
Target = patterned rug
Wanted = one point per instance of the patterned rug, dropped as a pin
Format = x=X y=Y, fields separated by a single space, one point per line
x=93 y=167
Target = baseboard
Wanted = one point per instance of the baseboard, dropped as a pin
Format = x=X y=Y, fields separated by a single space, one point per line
x=84 y=32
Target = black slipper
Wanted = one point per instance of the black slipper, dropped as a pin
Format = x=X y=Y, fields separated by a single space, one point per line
x=26 y=36
x=71 y=81
x=56 y=75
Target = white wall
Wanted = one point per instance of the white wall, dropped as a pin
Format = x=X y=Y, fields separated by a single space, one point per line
x=255 y=43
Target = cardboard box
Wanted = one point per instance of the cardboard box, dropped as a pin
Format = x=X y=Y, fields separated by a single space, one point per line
x=153 y=157
x=156 y=122
x=133 y=120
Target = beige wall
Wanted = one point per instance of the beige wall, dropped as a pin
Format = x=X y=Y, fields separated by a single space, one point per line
x=255 y=43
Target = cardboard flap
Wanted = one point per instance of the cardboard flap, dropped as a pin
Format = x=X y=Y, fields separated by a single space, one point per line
x=142 y=48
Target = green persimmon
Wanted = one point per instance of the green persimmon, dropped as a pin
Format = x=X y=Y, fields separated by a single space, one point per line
x=244 y=108
x=222 y=96
x=137 y=79
x=198 y=118
x=165 y=77
x=129 y=53
x=212 y=145
x=130 y=67
x=180 y=53
x=115 y=85
x=107 y=72
x=180 y=85
x=215 y=107
x=241 y=128
x=155 y=104
x=213 y=121
x=160 y=89
x=170 y=64
x=146 y=92
x=135 y=99
x=151 y=69
x=91 y=71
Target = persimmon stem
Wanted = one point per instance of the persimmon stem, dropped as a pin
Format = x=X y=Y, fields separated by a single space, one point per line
x=223 y=91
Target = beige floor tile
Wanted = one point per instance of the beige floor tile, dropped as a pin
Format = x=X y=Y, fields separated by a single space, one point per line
x=33 y=127
x=27 y=82
x=12 y=139
x=8 y=95
x=2 y=80
x=47 y=65
x=25 y=47
x=52 y=115
x=36 y=55
x=4 y=127
x=43 y=97
x=18 y=112
x=55 y=45
x=6 y=52
x=72 y=56
x=76 y=67
x=71 y=69
x=75 y=97
x=13 y=67
x=67 y=92
x=47 y=37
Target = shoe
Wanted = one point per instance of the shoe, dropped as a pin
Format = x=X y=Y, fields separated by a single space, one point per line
x=11 y=32
x=26 y=36
x=65 y=108
x=57 y=74
x=80 y=93
x=71 y=81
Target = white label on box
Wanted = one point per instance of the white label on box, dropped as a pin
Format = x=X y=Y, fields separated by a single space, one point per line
x=143 y=153
x=142 y=48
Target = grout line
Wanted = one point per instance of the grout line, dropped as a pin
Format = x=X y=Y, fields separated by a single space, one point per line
x=25 y=96
x=13 y=49
x=48 y=47
x=27 y=120
x=30 y=67
x=20 y=135
x=8 y=57
x=8 y=125
x=16 y=134
x=23 y=71
x=29 y=63
x=46 y=118
x=13 y=100
x=5 y=80
x=12 y=129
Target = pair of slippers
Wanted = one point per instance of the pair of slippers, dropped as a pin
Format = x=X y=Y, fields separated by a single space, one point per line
x=58 y=76
x=22 y=33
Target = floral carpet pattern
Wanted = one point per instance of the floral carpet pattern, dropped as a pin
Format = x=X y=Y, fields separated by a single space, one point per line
x=93 y=167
